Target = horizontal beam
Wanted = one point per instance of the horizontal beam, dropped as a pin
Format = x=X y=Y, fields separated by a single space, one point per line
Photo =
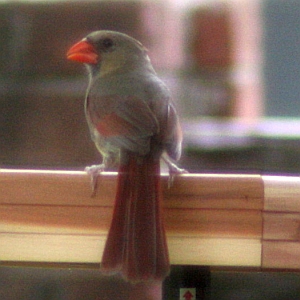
x=49 y=217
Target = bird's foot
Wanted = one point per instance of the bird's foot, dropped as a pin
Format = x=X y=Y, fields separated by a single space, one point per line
x=173 y=171
x=94 y=172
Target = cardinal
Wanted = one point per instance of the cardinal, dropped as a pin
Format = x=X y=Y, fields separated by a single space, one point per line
x=133 y=123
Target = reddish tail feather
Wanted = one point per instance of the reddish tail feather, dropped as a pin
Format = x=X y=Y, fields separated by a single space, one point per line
x=136 y=244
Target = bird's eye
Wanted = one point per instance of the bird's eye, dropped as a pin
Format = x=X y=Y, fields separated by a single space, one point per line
x=107 y=43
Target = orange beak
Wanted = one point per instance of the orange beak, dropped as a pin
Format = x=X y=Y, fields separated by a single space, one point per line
x=83 y=52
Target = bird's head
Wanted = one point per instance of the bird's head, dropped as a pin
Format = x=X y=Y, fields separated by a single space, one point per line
x=108 y=51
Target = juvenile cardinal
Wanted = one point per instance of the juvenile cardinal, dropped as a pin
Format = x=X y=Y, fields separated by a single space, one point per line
x=133 y=123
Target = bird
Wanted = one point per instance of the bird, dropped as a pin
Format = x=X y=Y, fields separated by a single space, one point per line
x=134 y=125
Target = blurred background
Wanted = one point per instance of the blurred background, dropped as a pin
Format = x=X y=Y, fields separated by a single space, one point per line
x=233 y=67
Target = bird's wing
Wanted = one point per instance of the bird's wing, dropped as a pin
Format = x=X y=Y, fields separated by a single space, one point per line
x=125 y=121
x=170 y=134
x=173 y=134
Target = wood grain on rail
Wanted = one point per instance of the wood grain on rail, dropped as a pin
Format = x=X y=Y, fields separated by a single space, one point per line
x=211 y=219
x=281 y=222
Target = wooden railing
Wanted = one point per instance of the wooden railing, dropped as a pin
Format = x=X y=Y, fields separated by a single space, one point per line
x=49 y=217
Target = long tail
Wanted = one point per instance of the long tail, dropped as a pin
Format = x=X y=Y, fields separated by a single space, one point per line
x=136 y=244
